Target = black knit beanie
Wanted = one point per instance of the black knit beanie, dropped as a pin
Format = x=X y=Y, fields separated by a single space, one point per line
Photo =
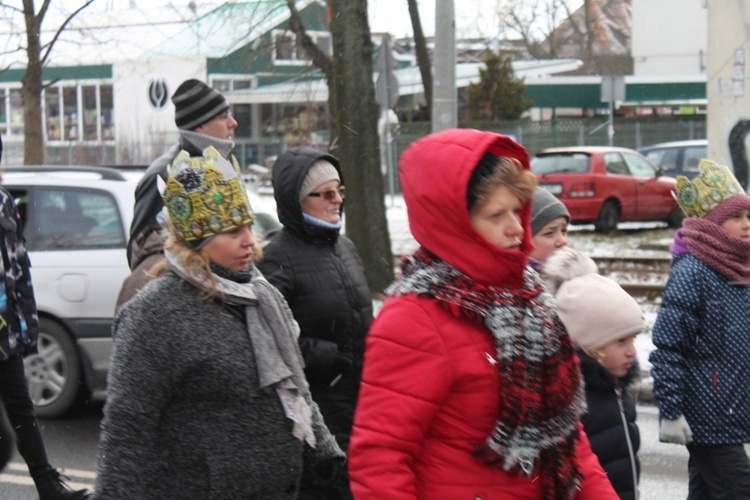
x=196 y=103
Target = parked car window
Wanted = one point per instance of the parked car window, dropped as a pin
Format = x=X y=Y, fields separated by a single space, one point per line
x=71 y=219
x=693 y=157
x=677 y=157
x=665 y=158
x=639 y=167
x=615 y=164
x=576 y=163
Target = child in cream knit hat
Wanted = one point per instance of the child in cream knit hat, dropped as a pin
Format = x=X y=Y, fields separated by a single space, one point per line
x=603 y=320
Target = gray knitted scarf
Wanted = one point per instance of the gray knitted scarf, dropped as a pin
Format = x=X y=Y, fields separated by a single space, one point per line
x=202 y=141
x=273 y=333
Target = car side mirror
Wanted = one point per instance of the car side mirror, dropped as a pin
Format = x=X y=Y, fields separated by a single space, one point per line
x=660 y=172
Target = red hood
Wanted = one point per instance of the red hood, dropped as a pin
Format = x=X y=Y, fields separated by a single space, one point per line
x=435 y=173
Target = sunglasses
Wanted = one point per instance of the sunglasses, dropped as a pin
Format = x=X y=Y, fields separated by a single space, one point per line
x=330 y=195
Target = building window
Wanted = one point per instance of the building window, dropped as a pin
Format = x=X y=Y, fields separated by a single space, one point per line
x=16 y=112
x=228 y=83
x=244 y=116
x=52 y=108
x=241 y=112
x=288 y=51
x=3 y=113
x=107 y=112
x=70 y=113
x=90 y=113
x=79 y=113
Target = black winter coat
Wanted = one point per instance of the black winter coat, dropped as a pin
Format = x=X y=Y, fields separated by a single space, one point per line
x=321 y=275
x=148 y=202
x=611 y=408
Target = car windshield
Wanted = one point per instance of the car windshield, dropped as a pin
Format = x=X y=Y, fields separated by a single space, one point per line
x=560 y=163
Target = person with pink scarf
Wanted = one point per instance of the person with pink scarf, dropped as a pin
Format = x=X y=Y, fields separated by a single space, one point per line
x=701 y=366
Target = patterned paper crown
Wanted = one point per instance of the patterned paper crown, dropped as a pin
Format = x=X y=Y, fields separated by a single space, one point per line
x=205 y=196
x=715 y=184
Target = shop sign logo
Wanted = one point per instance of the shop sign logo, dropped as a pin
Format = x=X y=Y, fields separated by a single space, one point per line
x=158 y=93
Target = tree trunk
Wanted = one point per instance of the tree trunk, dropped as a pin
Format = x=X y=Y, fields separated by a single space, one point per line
x=423 y=56
x=590 y=31
x=358 y=146
x=31 y=91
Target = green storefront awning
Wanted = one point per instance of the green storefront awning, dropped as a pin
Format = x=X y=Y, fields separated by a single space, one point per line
x=585 y=95
x=588 y=94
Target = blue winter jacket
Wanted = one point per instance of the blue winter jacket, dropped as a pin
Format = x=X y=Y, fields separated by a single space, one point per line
x=19 y=323
x=701 y=367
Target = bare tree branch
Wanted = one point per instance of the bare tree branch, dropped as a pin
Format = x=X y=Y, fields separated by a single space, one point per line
x=319 y=58
x=40 y=17
x=423 y=57
x=11 y=7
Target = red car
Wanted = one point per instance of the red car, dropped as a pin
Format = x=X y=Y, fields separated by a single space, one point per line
x=607 y=185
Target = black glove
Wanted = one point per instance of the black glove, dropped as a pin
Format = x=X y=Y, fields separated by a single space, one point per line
x=325 y=474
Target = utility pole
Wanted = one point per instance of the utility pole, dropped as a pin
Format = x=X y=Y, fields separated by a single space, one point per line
x=444 y=97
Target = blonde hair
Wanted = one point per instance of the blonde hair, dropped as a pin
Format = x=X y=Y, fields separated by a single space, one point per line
x=196 y=264
x=494 y=171
x=596 y=355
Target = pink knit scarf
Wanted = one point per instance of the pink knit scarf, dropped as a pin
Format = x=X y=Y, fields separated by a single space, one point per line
x=725 y=253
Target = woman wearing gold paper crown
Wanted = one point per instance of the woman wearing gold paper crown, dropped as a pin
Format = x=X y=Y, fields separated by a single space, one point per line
x=207 y=397
x=701 y=367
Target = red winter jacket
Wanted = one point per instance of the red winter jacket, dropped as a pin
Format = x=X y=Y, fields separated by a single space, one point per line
x=430 y=385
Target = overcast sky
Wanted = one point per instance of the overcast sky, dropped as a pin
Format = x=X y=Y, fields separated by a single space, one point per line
x=473 y=17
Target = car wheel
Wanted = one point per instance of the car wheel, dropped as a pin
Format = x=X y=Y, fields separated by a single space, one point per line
x=608 y=218
x=54 y=374
x=676 y=217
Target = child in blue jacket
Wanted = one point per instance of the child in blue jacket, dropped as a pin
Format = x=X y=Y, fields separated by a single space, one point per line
x=701 y=367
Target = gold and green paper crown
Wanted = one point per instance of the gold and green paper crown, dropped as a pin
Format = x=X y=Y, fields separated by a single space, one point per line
x=714 y=184
x=205 y=195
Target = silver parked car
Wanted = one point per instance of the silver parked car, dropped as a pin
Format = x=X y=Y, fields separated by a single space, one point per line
x=76 y=222
x=678 y=157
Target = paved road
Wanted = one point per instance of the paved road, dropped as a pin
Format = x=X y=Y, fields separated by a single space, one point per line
x=72 y=444
x=71 y=447
x=663 y=466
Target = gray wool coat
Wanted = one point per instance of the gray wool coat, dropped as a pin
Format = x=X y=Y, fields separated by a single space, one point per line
x=185 y=417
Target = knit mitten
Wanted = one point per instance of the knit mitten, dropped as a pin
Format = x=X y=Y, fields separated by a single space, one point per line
x=675 y=431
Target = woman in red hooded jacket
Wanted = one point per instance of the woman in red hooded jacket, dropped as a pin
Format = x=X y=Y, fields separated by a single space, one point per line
x=471 y=387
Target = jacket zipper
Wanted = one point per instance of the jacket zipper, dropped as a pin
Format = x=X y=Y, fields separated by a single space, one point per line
x=631 y=452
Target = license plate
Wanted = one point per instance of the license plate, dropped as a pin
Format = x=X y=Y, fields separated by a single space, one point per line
x=555 y=189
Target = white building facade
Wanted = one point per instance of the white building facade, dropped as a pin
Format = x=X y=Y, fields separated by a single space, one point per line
x=669 y=37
